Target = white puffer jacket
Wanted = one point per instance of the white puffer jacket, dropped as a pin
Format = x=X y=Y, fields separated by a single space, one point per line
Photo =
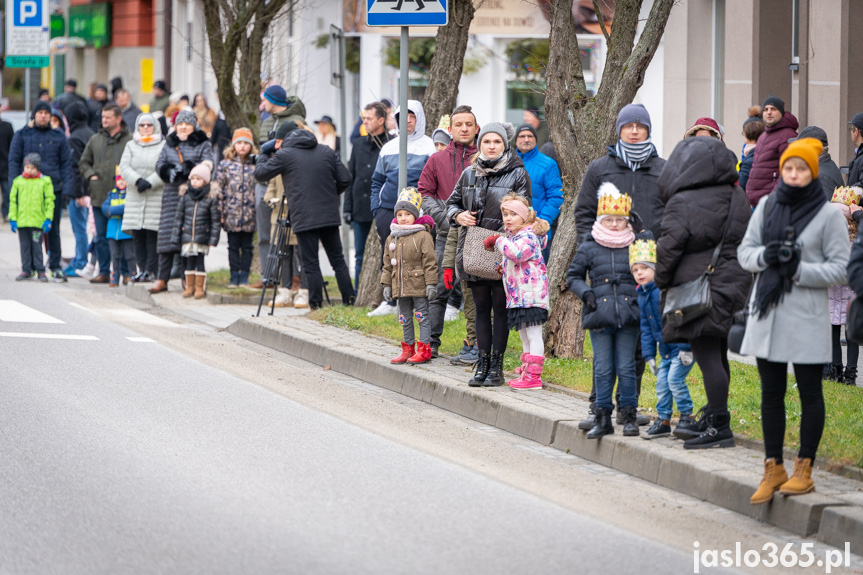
x=139 y=161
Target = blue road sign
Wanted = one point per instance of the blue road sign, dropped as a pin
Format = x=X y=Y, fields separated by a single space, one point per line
x=407 y=12
x=27 y=13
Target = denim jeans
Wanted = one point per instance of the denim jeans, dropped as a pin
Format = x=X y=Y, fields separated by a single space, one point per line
x=614 y=352
x=547 y=251
x=103 y=251
x=361 y=234
x=671 y=383
x=78 y=220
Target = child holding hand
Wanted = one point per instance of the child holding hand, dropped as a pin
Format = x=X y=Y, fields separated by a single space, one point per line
x=526 y=283
x=410 y=274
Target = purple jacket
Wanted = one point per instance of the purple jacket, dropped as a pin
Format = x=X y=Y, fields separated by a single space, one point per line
x=765 y=167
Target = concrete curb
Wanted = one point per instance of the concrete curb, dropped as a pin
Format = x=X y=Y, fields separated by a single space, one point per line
x=710 y=476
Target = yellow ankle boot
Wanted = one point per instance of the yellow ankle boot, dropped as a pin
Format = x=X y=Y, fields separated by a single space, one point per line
x=801 y=482
x=774 y=477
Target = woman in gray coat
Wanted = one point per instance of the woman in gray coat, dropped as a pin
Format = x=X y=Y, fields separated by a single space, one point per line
x=798 y=245
x=143 y=193
x=185 y=147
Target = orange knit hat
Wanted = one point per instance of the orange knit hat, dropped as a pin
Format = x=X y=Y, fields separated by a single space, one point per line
x=807 y=149
x=243 y=135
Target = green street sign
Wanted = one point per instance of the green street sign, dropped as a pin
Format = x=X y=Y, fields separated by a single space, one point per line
x=92 y=23
x=27 y=61
x=58 y=25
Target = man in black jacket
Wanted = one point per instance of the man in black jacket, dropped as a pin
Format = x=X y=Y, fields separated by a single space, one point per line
x=828 y=172
x=364 y=158
x=94 y=107
x=313 y=178
x=855 y=172
x=76 y=114
x=6 y=133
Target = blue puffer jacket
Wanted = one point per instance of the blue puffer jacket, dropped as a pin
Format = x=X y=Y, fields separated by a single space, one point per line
x=53 y=148
x=546 y=184
x=651 y=325
x=610 y=281
x=113 y=208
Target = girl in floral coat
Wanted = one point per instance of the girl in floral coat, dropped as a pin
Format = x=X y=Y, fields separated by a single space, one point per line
x=234 y=181
x=526 y=283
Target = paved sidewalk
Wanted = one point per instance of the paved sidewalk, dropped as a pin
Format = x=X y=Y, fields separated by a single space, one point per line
x=725 y=477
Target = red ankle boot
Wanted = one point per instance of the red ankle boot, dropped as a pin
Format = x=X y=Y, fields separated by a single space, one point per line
x=407 y=351
x=423 y=354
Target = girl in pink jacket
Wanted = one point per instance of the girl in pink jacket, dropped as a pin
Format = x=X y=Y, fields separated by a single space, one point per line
x=526 y=283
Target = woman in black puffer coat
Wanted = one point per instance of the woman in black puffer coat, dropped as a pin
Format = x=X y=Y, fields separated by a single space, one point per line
x=184 y=148
x=699 y=191
x=497 y=171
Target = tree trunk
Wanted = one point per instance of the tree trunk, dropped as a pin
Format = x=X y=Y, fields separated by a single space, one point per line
x=581 y=127
x=369 y=293
x=235 y=31
x=447 y=63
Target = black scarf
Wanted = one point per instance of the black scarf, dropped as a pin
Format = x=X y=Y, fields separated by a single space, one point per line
x=199 y=193
x=787 y=206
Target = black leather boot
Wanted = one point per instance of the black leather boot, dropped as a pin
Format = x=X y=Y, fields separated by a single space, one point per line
x=835 y=373
x=718 y=433
x=601 y=425
x=850 y=375
x=586 y=424
x=691 y=428
x=630 y=424
x=495 y=376
x=482 y=367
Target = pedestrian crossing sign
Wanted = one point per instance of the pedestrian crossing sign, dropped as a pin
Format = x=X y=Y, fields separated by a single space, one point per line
x=407 y=12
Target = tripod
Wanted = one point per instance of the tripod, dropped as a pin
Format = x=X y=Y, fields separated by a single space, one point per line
x=279 y=251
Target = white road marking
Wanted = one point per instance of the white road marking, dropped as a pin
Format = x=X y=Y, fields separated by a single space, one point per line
x=79 y=306
x=49 y=336
x=15 y=311
x=141 y=339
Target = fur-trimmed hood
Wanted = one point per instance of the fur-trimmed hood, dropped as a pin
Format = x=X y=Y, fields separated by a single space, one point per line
x=212 y=194
x=195 y=138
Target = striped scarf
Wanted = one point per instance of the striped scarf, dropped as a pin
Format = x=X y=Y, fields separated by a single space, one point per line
x=635 y=154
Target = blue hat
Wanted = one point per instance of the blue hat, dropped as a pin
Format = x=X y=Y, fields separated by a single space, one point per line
x=636 y=113
x=276 y=96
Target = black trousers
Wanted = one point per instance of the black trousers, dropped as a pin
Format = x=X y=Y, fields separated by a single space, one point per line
x=30 y=240
x=166 y=261
x=490 y=296
x=711 y=353
x=194 y=263
x=240 y=251
x=853 y=348
x=773 y=387
x=54 y=236
x=145 y=250
x=329 y=238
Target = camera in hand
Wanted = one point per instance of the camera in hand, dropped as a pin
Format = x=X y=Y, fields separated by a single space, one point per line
x=786 y=250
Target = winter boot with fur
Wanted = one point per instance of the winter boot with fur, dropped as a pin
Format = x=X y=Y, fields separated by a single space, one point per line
x=520 y=369
x=201 y=285
x=531 y=377
x=423 y=354
x=774 y=477
x=850 y=375
x=407 y=352
x=190 y=284
x=301 y=299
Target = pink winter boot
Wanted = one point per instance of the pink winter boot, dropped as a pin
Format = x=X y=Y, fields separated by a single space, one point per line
x=520 y=369
x=530 y=377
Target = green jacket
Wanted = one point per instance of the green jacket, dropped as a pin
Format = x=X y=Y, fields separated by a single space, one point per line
x=269 y=124
x=160 y=104
x=31 y=201
x=100 y=158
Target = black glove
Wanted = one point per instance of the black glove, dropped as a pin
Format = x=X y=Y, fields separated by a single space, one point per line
x=175 y=175
x=186 y=168
x=771 y=253
x=789 y=268
x=253 y=159
x=590 y=301
x=348 y=218
x=143 y=185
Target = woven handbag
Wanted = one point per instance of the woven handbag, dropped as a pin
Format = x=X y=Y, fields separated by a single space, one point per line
x=478 y=261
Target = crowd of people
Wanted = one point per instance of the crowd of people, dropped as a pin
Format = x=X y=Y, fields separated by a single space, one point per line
x=769 y=233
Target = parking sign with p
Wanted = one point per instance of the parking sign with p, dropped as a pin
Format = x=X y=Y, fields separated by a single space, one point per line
x=27 y=13
x=27 y=33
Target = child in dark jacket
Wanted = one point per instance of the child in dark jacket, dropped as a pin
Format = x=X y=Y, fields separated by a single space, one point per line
x=610 y=309
x=31 y=208
x=675 y=360
x=197 y=226
x=120 y=243
x=410 y=274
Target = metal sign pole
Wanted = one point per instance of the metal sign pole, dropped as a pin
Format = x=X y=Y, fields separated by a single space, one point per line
x=27 y=90
x=403 y=107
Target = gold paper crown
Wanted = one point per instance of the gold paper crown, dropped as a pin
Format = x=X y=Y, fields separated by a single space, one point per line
x=848 y=195
x=613 y=204
x=411 y=196
x=642 y=251
x=443 y=124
